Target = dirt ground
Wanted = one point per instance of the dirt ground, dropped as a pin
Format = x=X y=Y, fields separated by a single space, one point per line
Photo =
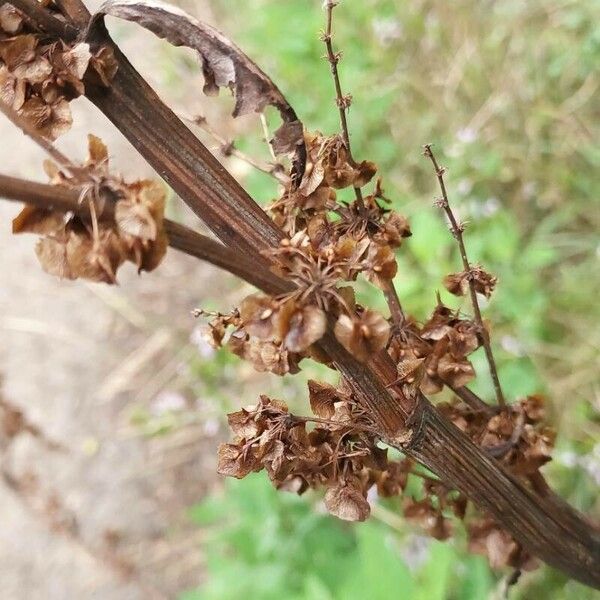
x=89 y=506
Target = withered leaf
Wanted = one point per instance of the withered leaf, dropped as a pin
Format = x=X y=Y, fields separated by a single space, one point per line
x=456 y=372
x=243 y=424
x=261 y=317
x=10 y=19
x=231 y=462
x=322 y=399
x=51 y=120
x=223 y=63
x=362 y=336
x=37 y=220
x=135 y=219
x=306 y=326
x=458 y=283
x=18 y=50
x=347 y=503
x=52 y=254
x=12 y=90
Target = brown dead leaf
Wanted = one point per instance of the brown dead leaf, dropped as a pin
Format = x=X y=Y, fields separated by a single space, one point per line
x=306 y=326
x=37 y=220
x=224 y=65
x=11 y=19
x=347 y=503
x=12 y=90
x=322 y=399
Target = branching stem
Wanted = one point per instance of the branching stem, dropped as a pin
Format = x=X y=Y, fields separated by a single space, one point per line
x=457 y=231
x=342 y=101
x=227 y=148
x=182 y=238
x=29 y=130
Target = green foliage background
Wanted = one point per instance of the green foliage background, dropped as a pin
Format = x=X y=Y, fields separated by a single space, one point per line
x=508 y=93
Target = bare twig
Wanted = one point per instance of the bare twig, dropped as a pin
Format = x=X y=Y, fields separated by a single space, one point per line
x=342 y=101
x=393 y=302
x=471 y=399
x=28 y=129
x=227 y=148
x=182 y=238
x=457 y=231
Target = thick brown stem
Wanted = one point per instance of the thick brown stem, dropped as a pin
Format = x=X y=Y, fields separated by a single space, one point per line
x=195 y=244
x=184 y=162
x=75 y=11
x=561 y=537
x=544 y=525
x=182 y=238
x=44 y=19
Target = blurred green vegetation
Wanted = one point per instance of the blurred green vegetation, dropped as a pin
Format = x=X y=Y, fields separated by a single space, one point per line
x=508 y=93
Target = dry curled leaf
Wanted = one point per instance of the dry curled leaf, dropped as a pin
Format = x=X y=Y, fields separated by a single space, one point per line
x=51 y=120
x=458 y=283
x=305 y=326
x=223 y=64
x=12 y=90
x=322 y=398
x=347 y=502
x=11 y=19
x=363 y=335
x=38 y=220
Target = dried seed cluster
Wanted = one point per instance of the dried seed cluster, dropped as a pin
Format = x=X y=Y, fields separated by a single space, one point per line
x=94 y=248
x=330 y=244
x=40 y=76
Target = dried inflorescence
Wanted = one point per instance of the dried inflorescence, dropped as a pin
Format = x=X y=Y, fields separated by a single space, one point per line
x=517 y=437
x=88 y=245
x=331 y=244
x=339 y=452
x=328 y=245
x=39 y=76
x=458 y=283
x=436 y=350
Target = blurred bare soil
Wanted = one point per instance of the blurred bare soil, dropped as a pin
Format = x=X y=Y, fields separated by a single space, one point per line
x=102 y=516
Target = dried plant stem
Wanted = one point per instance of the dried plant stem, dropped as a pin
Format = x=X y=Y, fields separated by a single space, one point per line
x=457 y=231
x=342 y=101
x=182 y=238
x=75 y=10
x=343 y=104
x=470 y=398
x=227 y=148
x=545 y=525
x=44 y=19
x=393 y=302
x=267 y=134
x=29 y=130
